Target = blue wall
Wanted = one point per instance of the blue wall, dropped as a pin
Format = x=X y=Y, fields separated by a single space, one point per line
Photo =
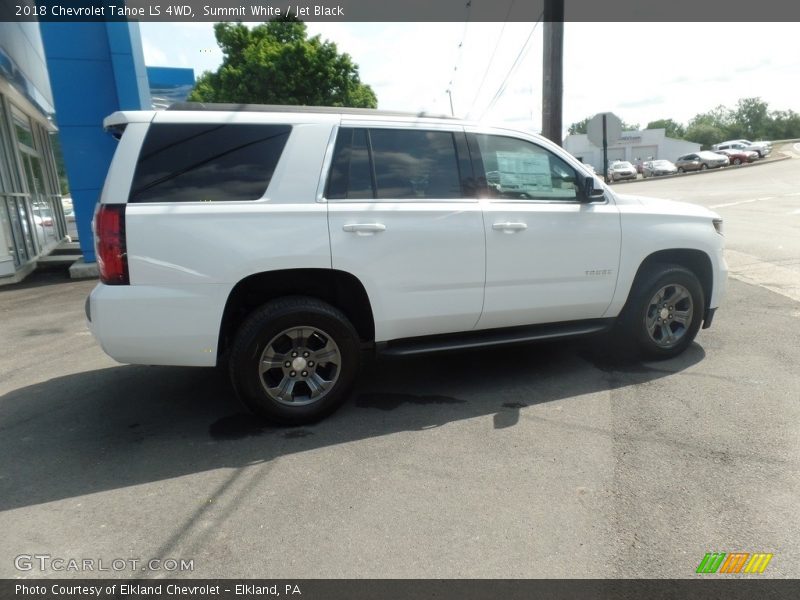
x=95 y=69
x=169 y=84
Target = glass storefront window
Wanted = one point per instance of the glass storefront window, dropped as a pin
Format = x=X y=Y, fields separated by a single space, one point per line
x=8 y=234
x=22 y=127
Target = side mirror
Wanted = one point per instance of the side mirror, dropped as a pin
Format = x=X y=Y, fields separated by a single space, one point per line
x=592 y=190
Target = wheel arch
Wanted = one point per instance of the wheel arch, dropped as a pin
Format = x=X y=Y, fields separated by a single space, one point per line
x=696 y=261
x=338 y=288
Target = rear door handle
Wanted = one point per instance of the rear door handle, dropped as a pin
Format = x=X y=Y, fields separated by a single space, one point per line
x=364 y=228
x=509 y=227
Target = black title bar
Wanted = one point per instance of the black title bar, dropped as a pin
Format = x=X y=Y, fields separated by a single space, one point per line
x=733 y=588
x=398 y=10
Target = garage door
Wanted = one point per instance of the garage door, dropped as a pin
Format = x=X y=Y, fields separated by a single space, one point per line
x=616 y=154
x=644 y=152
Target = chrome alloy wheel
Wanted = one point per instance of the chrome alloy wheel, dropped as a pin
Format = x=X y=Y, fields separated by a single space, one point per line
x=669 y=315
x=299 y=366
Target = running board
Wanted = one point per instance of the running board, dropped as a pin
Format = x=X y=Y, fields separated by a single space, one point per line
x=492 y=337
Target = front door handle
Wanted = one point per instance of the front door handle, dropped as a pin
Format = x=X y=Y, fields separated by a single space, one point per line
x=509 y=227
x=364 y=228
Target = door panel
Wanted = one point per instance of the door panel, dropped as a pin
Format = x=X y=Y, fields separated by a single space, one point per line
x=549 y=257
x=561 y=266
x=422 y=265
x=401 y=219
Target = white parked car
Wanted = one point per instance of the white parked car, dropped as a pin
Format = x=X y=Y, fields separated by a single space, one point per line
x=621 y=169
x=284 y=242
x=762 y=148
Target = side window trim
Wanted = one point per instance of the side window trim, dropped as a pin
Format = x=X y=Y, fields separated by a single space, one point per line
x=372 y=176
x=327 y=164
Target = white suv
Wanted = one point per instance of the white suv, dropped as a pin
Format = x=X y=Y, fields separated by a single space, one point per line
x=285 y=241
x=761 y=148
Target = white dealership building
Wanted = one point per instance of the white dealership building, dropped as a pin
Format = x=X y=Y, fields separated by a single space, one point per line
x=632 y=146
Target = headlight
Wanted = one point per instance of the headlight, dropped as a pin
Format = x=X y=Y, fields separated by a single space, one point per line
x=718 y=226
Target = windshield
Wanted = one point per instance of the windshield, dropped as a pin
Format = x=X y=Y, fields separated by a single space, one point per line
x=623 y=165
x=662 y=163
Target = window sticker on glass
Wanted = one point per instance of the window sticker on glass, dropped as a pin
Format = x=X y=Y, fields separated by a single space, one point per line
x=524 y=172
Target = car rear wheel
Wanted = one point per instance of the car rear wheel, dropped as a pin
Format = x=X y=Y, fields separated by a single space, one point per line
x=294 y=360
x=663 y=313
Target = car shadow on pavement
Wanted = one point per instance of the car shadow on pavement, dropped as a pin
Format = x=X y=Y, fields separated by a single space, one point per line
x=122 y=426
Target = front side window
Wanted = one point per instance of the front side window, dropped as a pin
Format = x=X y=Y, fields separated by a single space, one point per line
x=519 y=170
x=396 y=164
x=207 y=162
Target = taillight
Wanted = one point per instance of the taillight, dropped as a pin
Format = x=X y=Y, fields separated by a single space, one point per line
x=112 y=255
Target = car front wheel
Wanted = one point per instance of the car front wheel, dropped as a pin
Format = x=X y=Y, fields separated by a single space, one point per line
x=294 y=360
x=663 y=313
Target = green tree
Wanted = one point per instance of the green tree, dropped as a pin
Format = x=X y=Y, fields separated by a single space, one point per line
x=705 y=134
x=277 y=63
x=578 y=126
x=673 y=128
x=783 y=125
x=750 y=118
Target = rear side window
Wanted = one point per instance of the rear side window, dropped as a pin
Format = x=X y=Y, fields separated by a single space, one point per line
x=399 y=164
x=207 y=162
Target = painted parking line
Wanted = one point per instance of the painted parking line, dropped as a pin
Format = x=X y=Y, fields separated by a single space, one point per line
x=741 y=202
x=752 y=270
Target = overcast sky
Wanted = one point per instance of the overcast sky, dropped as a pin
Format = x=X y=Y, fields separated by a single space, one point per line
x=639 y=71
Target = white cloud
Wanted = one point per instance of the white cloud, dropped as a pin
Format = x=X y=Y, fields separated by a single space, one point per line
x=640 y=71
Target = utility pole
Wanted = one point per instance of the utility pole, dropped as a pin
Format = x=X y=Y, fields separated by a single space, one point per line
x=553 y=69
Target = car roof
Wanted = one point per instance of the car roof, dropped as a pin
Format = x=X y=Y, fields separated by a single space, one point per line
x=281 y=108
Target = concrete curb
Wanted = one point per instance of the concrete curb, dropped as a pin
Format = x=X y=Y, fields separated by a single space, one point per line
x=83 y=270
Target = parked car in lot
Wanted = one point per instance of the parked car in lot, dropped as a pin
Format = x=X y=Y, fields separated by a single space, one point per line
x=700 y=161
x=69 y=215
x=761 y=148
x=284 y=243
x=656 y=168
x=738 y=157
x=621 y=169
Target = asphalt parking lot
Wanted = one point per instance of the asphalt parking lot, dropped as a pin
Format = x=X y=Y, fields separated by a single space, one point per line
x=541 y=461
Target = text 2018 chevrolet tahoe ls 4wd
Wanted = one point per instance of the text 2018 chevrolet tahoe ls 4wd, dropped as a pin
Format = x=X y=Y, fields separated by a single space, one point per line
x=283 y=241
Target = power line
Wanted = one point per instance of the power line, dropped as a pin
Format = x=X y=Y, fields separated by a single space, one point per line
x=491 y=58
x=449 y=90
x=522 y=52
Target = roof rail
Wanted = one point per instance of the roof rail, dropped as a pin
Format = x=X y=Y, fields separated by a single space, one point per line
x=337 y=110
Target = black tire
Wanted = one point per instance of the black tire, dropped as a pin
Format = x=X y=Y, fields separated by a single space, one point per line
x=271 y=322
x=703 y=167
x=681 y=170
x=632 y=329
x=737 y=161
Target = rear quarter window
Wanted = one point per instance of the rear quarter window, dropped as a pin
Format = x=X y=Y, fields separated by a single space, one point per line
x=207 y=162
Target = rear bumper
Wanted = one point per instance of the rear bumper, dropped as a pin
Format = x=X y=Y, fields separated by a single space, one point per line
x=157 y=325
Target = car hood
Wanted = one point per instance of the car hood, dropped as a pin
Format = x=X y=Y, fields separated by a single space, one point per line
x=667 y=207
